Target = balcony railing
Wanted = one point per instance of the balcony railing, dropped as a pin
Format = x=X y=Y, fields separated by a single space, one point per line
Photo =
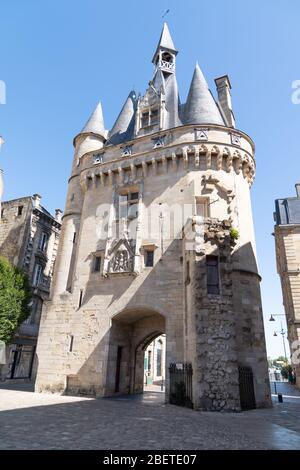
x=28 y=329
x=167 y=65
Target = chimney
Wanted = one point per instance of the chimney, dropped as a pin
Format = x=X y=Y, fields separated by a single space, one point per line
x=36 y=200
x=297 y=186
x=224 y=96
x=58 y=215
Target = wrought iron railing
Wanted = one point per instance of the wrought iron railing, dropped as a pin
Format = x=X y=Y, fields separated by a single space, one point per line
x=181 y=385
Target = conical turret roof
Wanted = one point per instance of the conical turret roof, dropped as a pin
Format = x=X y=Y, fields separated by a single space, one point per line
x=123 y=128
x=95 y=124
x=200 y=107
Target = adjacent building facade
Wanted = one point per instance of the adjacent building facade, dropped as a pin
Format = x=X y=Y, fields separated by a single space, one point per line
x=29 y=237
x=287 y=244
x=157 y=238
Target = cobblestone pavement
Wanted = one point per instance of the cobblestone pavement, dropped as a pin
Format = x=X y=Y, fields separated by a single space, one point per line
x=42 y=421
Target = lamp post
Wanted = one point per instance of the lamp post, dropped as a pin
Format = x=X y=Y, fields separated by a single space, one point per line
x=282 y=331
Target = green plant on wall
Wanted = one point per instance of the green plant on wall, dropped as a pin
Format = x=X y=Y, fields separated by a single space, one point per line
x=234 y=233
x=15 y=295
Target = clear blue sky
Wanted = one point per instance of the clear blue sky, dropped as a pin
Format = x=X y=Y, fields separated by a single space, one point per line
x=59 y=57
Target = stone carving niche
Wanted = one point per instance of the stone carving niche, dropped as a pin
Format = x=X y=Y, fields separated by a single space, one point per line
x=121 y=257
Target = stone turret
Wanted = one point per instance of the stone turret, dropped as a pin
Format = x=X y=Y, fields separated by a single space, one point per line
x=90 y=139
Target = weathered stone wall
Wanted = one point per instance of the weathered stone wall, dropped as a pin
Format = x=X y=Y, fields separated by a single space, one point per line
x=287 y=242
x=14 y=229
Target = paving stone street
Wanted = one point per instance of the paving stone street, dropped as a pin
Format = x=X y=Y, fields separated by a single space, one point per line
x=43 y=421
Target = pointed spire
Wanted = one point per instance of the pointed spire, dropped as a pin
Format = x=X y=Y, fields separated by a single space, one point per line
x=200 y=107
x=165 y=42
x=95 y=124
x=124 y=126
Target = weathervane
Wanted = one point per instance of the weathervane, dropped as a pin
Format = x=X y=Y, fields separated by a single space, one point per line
x=165 y=13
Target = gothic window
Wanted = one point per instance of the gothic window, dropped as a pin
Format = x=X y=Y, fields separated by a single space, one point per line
x=128 y=205
x=212 y=274
x=43 y=241
x=37 y=275
x=149 y=258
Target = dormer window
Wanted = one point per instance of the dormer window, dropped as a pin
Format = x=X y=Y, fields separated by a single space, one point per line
x=149 y=117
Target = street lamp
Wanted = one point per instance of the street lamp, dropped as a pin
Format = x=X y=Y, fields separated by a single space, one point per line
x=282 y=331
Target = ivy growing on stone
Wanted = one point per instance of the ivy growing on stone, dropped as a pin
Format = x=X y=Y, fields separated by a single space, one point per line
x=15 y=296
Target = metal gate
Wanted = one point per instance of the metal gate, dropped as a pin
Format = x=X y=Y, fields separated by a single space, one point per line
x=247 y=395
x=181 y=384
x=21 y=361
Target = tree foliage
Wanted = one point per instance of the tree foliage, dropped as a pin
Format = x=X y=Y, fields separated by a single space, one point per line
x=15 y=295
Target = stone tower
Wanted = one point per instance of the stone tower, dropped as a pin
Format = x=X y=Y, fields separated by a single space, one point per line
x=157 y=238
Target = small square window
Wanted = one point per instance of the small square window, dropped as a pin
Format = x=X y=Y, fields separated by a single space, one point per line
x=133 y=196
x=97 y=264
x=149 y=258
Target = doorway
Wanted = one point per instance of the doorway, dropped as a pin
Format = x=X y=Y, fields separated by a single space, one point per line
x=155 y=365
x=137 y=350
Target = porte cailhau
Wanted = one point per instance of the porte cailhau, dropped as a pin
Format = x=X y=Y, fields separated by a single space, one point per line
x=157 y=238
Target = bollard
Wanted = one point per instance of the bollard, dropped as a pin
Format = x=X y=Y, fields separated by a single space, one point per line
x=280 y=399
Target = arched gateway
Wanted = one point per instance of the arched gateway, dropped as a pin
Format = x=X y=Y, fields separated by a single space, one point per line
x=131 y=332
x=157 y=237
